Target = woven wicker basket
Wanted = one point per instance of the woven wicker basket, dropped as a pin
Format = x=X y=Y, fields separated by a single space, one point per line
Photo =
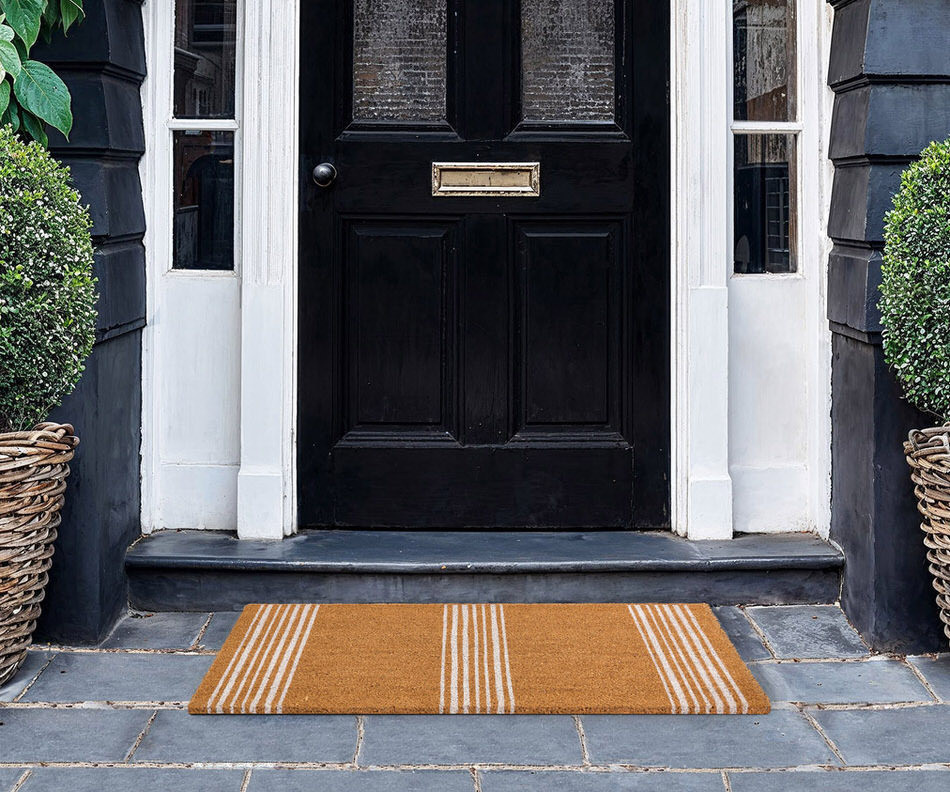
x=33 y=470
x=928 y=454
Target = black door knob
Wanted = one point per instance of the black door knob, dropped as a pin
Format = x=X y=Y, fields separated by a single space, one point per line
x=324 y=174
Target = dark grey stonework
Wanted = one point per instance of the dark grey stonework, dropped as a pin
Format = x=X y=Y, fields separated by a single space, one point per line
x=890 y=70
x=103 y=62
x=205 y=570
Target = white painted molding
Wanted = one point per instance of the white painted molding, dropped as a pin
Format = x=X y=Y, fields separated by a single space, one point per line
x=701 y=498
x=266 y=487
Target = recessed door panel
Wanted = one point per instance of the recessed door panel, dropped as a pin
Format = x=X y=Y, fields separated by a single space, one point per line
x=399 y=326
x=568 y=336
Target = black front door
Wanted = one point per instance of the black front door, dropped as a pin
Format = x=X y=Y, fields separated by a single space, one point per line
x=484 y=285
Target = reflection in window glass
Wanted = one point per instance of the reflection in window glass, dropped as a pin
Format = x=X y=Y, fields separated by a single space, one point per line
x=764 y=59
x=567 y=60
x=399 y=60
x=203 y=230
x=205 y=58
x=765 y=203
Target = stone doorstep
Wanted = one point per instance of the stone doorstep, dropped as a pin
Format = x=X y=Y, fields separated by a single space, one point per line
x=207 y=571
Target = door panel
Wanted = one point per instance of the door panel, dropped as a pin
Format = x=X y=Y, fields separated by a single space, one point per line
x=567 y=367
x=400 y=353
x=484 y=361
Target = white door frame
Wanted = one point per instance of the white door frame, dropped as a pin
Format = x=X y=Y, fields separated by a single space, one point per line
x=701 y=488
x=267 y=496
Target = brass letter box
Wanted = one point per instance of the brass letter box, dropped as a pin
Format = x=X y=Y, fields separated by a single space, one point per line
x=489 y=179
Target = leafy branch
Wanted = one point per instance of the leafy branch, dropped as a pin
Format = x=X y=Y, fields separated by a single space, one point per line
x=31 y=94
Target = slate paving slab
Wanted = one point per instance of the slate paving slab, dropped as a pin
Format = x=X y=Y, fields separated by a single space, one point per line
x=156 y=631
x=470 y=739
x=361 y=781
x=218 y=629
x=740 y=632
x=69 y=735
x=9 y=777
x=783 y=738
x=871 y=682
x=586 y=781
x=99 y=676
x=139 y=779
x=176 y=736
x=936 y=671
x=31 y=667
x=808 y=631
x=904 y=736
x=833 y=781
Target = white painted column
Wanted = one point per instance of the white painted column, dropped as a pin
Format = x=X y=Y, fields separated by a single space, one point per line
x=266 y=487
x=701 y=201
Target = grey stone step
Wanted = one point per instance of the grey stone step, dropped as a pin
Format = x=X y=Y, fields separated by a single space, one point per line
x=203 y=570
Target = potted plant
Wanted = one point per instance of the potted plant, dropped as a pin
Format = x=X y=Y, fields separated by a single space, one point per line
x=47 y=327
x=915 y=314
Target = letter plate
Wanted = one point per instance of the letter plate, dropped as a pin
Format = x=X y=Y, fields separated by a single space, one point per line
x=489 y=179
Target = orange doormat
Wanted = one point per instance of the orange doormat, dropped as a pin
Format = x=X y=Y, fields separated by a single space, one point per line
x=485 y=658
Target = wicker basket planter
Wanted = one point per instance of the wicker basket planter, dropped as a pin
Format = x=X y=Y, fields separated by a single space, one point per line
x=928 y=454
x=33 y=470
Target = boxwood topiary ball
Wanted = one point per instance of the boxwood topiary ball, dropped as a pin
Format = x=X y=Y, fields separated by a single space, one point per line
x=915 y=307
x=47 y=289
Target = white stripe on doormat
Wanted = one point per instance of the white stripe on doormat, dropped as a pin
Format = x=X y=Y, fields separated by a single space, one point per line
x=261 y=618
x=293 y=668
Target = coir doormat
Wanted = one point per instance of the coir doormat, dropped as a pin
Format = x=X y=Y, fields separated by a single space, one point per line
x=478 y=658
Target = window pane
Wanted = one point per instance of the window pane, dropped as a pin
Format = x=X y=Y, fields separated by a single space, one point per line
x=399 y=60
x=205 y=58
x=567 y=60
x=204 y=200
x=764 y=59
x=766 y=204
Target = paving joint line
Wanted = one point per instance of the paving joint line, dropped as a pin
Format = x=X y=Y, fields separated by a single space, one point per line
x=21 y=780
x=476 y=781
x=360 y=734
x=96 y=705
x=817 y=727
x=758 y=631
x=478 y=767
x=725 y=781
x=138 y=740
x=863 y=707
x=94 y=650
x=197 y=642
x=582 y=736
x=246 y=781
x=923 y=680
x=30 y=684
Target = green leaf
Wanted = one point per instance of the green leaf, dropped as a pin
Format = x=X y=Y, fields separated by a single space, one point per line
x=34 y=128
x=9 y=59
x=24 y=17
x=6 y=33
x=4 y=97
x=11 y=117
x=41 y=92
x=70 y=10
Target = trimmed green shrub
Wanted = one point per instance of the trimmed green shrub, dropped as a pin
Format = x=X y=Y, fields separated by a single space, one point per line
x=47 y=290
x=915 y=306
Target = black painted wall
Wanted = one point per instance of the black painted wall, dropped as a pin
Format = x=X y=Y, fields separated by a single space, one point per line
x=890 y=71
x=103 y=62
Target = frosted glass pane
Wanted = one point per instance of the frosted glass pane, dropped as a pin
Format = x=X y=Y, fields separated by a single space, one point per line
x=764 y=59
x=567 y=60
x=399 y=60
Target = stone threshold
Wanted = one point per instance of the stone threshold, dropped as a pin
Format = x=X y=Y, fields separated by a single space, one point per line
x=203 y=570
